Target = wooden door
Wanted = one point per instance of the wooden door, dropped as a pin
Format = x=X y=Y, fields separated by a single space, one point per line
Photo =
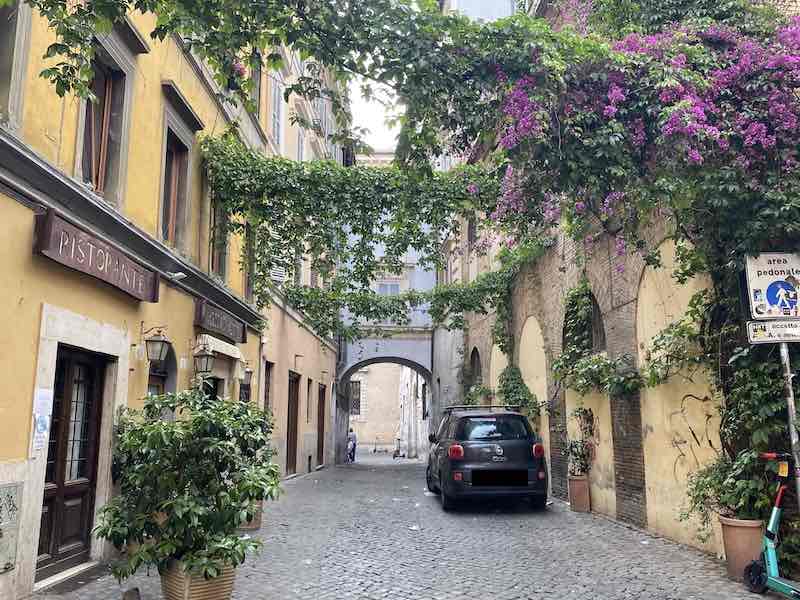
x=321 y=426
x=71 y=471
x=292 y=423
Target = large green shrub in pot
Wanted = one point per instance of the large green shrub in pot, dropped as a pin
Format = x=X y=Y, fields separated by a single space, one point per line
x=186 y=485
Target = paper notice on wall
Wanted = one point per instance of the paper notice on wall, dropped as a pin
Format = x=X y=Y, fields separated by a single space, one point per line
x=42 y=410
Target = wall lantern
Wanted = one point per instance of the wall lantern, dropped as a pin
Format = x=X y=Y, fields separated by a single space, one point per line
x=157 y=347
x=203 y=361
x=247 y=378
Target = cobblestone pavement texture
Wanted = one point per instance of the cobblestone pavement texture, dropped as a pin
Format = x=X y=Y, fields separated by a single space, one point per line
x=371 y=531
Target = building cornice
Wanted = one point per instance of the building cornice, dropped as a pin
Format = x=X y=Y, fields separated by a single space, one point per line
x=35 y=182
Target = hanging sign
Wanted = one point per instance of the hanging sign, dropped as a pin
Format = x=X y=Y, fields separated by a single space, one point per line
x=76 y=248
x=773 y=332
x=212 y=318
x=773 y=284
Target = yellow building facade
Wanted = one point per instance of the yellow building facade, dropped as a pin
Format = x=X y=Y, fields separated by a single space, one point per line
x=110 y=240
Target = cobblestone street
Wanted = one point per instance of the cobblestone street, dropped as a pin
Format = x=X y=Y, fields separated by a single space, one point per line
x=371 y=531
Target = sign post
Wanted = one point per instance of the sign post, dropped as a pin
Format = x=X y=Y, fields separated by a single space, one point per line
x=788 y=392
x=773 y=282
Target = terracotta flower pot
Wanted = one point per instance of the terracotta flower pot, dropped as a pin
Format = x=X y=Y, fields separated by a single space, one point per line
x=177 y=584
x=742 y=540
x=579 y=498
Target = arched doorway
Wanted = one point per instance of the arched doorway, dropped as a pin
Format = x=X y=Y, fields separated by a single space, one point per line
x=475 y=368
x=387 y=403
x=602 y=477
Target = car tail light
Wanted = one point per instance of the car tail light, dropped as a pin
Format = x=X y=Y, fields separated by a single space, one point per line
x=538 y=451
x=456 y=451
x=458 y=476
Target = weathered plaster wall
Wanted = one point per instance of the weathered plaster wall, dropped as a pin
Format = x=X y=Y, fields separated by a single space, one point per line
x=378 y=425
x=291 y=347
x=680 y=423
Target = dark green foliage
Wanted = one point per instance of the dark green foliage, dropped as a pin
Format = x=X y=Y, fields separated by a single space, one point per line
x=513 y=391
x=187 y=485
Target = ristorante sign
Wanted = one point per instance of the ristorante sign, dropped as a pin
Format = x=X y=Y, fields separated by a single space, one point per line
x=215 y=320
x=72 y=246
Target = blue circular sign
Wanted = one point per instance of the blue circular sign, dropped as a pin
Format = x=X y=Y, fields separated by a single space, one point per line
x=782 y=295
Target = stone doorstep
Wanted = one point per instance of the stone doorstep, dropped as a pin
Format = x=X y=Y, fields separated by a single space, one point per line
x=70 y=575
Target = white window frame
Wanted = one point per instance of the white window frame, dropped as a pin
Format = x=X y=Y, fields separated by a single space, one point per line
x=11 y=115
x=124 y=60
x=175 y=124
x=276 y=115
x=301 y=144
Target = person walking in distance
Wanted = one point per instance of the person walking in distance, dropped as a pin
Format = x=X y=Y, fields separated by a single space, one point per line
x=352 y=441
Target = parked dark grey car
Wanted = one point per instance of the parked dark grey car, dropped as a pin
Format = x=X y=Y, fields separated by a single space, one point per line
x=482 y=451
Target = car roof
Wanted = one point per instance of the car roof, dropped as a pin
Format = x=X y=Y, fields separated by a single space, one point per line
x=482 y=411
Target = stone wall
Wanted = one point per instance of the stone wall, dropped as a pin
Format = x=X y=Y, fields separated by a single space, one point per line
x=539 y=293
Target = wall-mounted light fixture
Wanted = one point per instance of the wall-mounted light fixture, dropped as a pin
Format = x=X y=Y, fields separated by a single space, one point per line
x=156 y=345
x=247 y=377
x=203 y=361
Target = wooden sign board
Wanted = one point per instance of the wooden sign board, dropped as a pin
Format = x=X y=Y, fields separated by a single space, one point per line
x=76 y=248
x=213 y=319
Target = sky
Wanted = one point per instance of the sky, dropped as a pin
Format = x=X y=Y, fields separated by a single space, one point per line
x=372 y=115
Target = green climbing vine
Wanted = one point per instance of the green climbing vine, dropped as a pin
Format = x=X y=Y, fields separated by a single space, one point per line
x=354 y=224
x=580 y=367
x=513 y=390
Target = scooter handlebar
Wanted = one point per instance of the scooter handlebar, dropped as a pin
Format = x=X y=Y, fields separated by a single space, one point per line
x=774 y=456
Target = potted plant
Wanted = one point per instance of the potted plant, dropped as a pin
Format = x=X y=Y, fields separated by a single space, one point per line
x=579 y=453
x=185 y=487
x=737 y=492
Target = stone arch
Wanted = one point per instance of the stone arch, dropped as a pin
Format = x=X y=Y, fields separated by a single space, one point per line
x=602 y=476
x=532 y=361
x=475 y=367
x=679 y=424
x=497 y=364
x=398 y=360
x=598 y=330
x=343 y=399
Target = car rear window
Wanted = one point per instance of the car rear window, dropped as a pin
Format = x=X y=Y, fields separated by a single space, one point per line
x=500 y=427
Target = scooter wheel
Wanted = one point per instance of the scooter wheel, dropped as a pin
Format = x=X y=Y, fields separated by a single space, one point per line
x=755 y=577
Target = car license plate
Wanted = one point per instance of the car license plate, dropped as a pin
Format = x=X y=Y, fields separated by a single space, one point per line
x=783 y=469
x=500 y=478
x=498 y=459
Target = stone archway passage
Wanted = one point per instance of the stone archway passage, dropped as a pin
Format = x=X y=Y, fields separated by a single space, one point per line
x=423 y=387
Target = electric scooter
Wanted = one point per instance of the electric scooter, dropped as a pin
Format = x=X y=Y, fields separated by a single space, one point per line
x=762 y=575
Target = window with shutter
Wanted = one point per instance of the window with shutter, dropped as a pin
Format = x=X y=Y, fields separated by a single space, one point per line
x=256 y=76
x=298 y=270
x=219 y=240
x=355 y=398
x=277 y=110
x=301 y=144
x=8 y=39
x=103 y=126
x=269 y=367
x=176 y=164
x=250 y=264
x=278 y=274
x=472 y=231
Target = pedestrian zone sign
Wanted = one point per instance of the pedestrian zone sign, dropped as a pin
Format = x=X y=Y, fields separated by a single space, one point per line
x=773 y=283
x=773 y=332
